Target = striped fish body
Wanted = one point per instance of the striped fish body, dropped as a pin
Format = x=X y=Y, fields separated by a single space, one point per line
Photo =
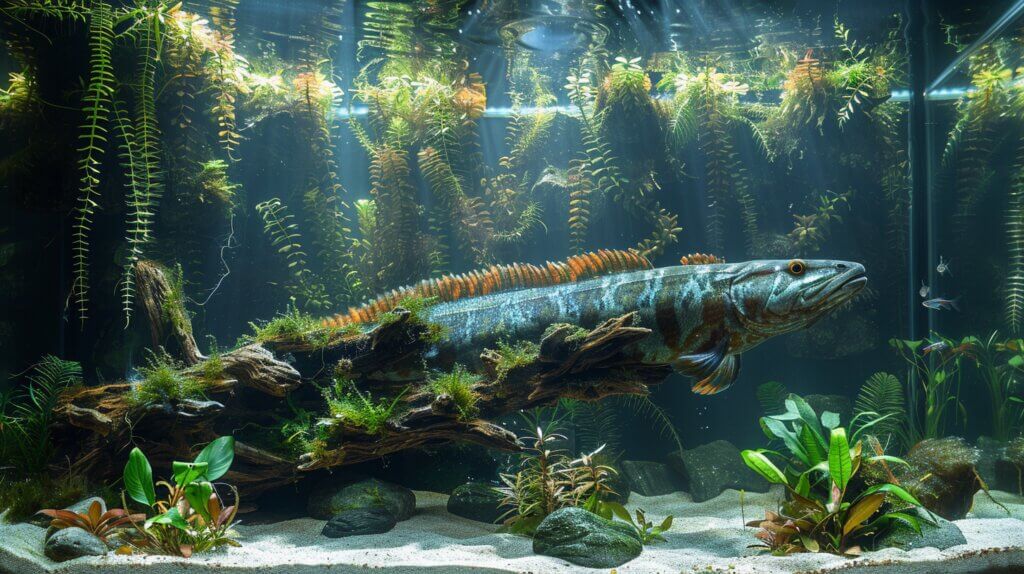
x=703 y=314
x=682 y=305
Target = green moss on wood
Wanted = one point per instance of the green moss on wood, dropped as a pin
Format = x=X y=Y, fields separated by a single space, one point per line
x=458 y=384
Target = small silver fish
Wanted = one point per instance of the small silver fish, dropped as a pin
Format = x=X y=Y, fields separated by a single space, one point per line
x=924 y=291
x=943 y=267
x=940 y=347
x=939 y=303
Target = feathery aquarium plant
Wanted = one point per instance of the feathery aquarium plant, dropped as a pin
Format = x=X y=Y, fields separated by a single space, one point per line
x=827 y=508
x=192 y=517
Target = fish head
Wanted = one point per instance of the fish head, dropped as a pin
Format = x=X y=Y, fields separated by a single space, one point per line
x=771 y=297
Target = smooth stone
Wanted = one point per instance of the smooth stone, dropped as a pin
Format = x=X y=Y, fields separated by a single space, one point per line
x=942 y=535
x=648 y=478
x=476 y=501
x=329 y=499
x=586 y=539
x=1008 y=467
x=71 y=543
x=359 y=521
x=712 y=468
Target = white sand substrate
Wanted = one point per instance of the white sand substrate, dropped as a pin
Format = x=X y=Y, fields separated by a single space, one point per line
x=705 y=537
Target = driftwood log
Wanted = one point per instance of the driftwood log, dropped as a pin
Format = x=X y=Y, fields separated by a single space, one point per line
x=98 y=426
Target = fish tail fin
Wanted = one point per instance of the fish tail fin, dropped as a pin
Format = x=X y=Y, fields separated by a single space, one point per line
x=955 y=304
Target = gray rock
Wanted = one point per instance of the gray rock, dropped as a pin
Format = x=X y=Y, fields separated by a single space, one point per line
x=586 y=539
x=650 y=478
x=476 y=501
x=942 y=535
x=328 y=499
x=711 y=468
x=1008 y=467
x=833 y=403
x=359 y=521
x=71 y=543
x=992 y=452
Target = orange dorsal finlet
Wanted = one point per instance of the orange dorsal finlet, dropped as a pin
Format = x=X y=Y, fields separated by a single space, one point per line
x=495 y=279
x=700 y=259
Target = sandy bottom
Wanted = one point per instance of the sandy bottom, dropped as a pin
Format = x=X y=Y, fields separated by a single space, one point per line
x=705 y=537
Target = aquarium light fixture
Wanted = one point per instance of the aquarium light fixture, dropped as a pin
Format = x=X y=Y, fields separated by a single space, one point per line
x=1004 y=21
x=901 y=95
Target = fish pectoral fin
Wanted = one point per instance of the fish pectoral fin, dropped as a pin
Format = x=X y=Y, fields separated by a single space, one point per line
x=721 y=379
x=702 y=365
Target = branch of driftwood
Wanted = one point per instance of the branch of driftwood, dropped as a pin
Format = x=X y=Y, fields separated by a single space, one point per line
x=99 y=425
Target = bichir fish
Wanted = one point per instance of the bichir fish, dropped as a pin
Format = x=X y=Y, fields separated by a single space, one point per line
x=703 y=314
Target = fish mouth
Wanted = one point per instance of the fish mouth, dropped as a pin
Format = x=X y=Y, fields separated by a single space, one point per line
x=845 y=286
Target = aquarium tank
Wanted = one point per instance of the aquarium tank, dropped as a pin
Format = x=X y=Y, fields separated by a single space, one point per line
x=511 y=286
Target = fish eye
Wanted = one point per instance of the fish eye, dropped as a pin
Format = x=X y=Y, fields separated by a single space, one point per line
x=797 y=267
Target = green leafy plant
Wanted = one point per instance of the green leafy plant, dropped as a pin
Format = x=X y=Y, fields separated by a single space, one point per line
x=826 y=509
x=645 y=529
x=458 y=384
x=192 y=517
x=537 y=487
x=1001 y=364
x=512 y=356
x=163 y=380
x=932 y=385
x=94 y=521
x=881 y=398
x=358 y=409
x=92 y=136
x=295 y=326
x=27 y=415
x=772 y=397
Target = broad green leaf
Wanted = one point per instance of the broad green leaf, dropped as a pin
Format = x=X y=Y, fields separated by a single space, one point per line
x=803 y=485
x=840 y=465
x=186 y=473
x=138 y=478
x=619 y=511
x=219 y=455
x=198 y=495
x=887 y=458
x=172 y=517
x=862 y=511
x=815 y=452
x=807 y=415
x=760 y=464
x=809 y=543
x=666 y=524
x=830 y=420
x=908 y=519
x=894 y=490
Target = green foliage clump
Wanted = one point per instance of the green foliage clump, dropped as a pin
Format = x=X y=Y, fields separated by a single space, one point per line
x=173 y=306
x=294 y=325
x=416 y=306
x=547 y=479
x=772 y=397
x=26 y=415
x=215 y=185
x=514 y=355
x=826 y=510
x=193 y=517
x=163 y=379
x=22 y=498
x=359 y=409
x=881 y=398
x=458 y=384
